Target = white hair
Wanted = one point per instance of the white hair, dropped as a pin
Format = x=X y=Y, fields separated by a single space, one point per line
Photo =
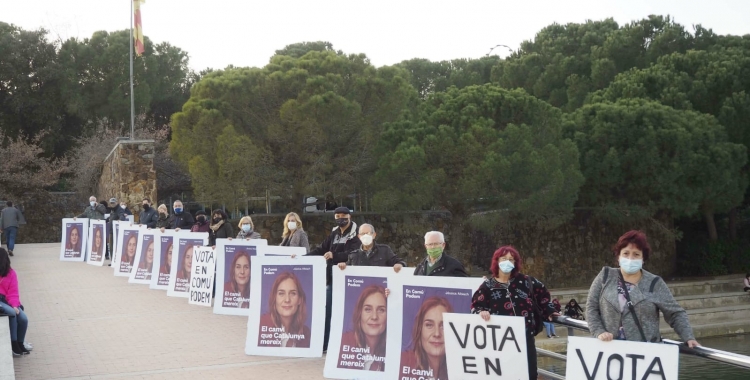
x=437 y=233
x=372 y=229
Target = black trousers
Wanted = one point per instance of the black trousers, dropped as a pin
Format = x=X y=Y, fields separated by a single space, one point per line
x=531 y=355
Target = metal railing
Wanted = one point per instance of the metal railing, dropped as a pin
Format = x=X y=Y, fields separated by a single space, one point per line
x=720 y=356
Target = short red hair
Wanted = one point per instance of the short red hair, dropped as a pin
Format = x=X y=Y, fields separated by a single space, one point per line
x=503 y=251
x=635 y=237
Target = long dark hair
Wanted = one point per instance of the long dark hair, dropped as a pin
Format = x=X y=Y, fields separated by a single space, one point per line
x=4 y=262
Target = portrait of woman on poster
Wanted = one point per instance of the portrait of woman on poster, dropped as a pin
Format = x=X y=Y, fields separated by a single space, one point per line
x=427 y=352
x=187 y=263
x=147 y=259
x=128 y=250
x=97 y=245
x=369 y=322
x=167 y=262
x=74 y=241
x=239 y=281
x=287 y=309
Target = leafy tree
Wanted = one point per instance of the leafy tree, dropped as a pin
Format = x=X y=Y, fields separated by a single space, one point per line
x=299 y=49
x=24 y=171
x=477 y=148
x=642 y=156
x=310 y=125
x=430 y=77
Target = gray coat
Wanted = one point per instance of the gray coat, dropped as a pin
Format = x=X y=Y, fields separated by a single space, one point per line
x=96 y=213
x=297 y=239
x=604 y=315
x=11 y=217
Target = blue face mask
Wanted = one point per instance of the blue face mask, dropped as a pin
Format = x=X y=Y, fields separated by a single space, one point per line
x=630 y=266
x=247 y=228
x=177 y=210
x=506 y=266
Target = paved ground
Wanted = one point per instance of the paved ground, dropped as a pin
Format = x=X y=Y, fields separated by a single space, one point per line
x=85 y=323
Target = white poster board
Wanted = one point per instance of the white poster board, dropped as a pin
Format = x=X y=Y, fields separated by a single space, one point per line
x=479 y=349
x=74 y=237
x=115 y=242
x=162 y=259
x=143 y=264
x=131 y=219
x=182 y=262
x=275 y=250
x=360 y=308
x=412 y=301
x=202 y=276
x=291 y=289
x=97 y=242
x=590 y=358
x=126 y=249
x=233 y=264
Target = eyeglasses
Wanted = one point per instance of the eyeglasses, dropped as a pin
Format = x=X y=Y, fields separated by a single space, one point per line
x=433 y=245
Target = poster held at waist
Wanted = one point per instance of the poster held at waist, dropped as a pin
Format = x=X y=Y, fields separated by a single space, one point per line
x=97 y=242
x=479 y=349
x=290 y=301
x=233 y=262
x=185 y=245
x=74 y=239
x=144 y=258
x=415 y=310
x=592 y=359
x=202 y=276
x=126 y=249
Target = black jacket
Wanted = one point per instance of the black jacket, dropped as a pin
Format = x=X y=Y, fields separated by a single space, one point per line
x=225 y=231
x=340 y=244
x=446 y=266
x=182 y=221
x=381 y=255
x=149 y=218
x=162 y=222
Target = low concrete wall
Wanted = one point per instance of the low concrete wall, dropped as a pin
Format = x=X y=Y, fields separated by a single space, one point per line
x=6 y=353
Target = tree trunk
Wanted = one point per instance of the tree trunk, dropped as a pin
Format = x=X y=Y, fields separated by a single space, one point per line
x=733 y=217
x=455 y=242
x=708 y=214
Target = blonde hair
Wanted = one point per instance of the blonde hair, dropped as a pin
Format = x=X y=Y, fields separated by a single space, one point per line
x=246 y=219
x=162 y=206
x=286 y=220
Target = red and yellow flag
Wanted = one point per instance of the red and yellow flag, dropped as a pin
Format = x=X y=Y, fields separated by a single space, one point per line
x=138 y=32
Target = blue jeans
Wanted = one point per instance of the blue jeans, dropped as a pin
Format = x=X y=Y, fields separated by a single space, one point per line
x=18 y=323
x=550 y=328
x=10 y=236
x=329 y=296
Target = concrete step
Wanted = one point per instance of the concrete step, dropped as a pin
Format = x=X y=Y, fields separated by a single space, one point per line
x=716 y=315
x=712 y=329
x=714 y=300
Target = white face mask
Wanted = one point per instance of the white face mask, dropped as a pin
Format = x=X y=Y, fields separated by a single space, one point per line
x=124 y=206
x=291 y=226
x=366 y=240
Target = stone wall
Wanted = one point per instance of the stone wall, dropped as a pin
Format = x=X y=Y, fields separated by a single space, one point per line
x=128 y=173
x=568 y=256
x=43 y=214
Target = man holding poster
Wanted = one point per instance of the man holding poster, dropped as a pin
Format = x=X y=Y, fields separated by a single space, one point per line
x=371 y=254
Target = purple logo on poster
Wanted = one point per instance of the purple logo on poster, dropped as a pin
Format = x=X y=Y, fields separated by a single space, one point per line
x=237 y=276
x=73 y=233
x=185 y=263
x=423 y=335
x=97 y=243
x=129 y=244
x=147 y=258
x=286 y=306
x=363 y=339
x=165 y=260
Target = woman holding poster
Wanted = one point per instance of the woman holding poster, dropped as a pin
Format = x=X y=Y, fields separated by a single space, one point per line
x=147 y=261
x=426 y=356
x=73 y=245
x=367 y=339
x=238 y=287
x=509 y=292
x=287 y=305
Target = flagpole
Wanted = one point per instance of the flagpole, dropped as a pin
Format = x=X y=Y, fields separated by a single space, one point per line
x=132 y=96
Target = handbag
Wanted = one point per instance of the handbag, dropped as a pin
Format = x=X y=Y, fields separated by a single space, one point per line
x=631 y=307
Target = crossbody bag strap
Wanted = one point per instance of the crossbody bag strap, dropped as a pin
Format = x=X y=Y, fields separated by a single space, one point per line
x=631 y=307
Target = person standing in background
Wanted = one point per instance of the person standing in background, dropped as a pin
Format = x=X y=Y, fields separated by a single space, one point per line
x=148 y=216
x=181 y=220
x=95 y=211
x=10 y=219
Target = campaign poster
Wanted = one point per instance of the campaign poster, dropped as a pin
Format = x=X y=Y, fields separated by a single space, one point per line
x=97 y=242
x=359 y=321
x=74 y=236
x=182 y=262
x=127 y=250
x=233 y=263
x=290 y=301
x=202 y=275
x=593 y=359
x=163 y=248
x=416 y=330
x=275 y=250
x=479 y=349
x=144 y=258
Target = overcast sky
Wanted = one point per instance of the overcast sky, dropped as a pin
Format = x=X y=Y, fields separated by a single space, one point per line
x=217 y=33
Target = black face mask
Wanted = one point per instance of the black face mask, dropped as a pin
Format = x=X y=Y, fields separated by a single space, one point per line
x=217 y=220
x=342 y=222
x=200 y=219
x=146 y=207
